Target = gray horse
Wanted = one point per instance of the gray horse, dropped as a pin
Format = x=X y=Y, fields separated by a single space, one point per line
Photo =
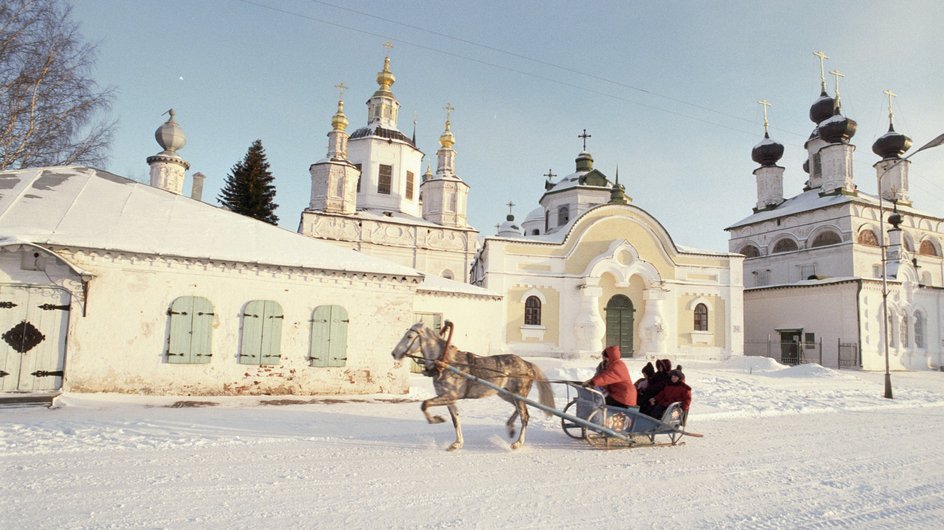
x=506 y=371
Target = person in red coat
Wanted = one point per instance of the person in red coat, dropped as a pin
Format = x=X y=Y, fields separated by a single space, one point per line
x=615 y=379
x=676 y=390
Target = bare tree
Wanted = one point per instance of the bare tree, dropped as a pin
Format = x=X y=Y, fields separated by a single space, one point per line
x=48 y=102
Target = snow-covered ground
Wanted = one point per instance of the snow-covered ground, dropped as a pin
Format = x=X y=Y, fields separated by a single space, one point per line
x=801 y=447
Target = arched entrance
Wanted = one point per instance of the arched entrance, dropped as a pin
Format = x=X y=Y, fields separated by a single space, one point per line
x=619 y=324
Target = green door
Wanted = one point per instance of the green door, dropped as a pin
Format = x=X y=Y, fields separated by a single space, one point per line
x=619 y=324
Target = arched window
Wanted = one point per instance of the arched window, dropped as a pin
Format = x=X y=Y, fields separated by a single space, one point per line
x=785 y=245
x=532 y=311
x=191 y=328
x=750 y=251
x=919 y=331
x=927 y=248
x=563 y=215
x=328 y=336
x=701 y=317
x=447 y=274
x=867 y=238
x=535 y=232
x=826 y=238
x=904 y=330
x=908 y=243
x=262 y=333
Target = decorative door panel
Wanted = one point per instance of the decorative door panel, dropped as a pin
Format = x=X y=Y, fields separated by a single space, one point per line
x=33 y=323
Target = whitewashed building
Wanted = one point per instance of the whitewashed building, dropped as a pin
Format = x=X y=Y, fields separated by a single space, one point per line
x=813 y=261
x=594 y=270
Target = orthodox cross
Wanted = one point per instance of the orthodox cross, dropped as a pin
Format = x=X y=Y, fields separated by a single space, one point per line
x=550 y=174
x=890 y=95
x=584 y=136
x=448 y=108
x=510 y=205
x=838 y=74
x=388 y=45
x=341 y=88
x=766 y=104
x=822 y=68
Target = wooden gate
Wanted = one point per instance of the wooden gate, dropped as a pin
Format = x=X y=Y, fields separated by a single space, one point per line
x=33 y=323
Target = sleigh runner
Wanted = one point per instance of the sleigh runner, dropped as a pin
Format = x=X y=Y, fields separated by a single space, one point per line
x=584 y=417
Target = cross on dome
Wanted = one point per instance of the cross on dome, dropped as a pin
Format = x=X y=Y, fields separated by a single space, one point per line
x=448 y=108
x=765 y=104
x=890 y=95
x=822 y=68
x=837 y=74
x=584 y=136
x=341 y=88
x=550 y=174
x=388 y=45
x=510 y=205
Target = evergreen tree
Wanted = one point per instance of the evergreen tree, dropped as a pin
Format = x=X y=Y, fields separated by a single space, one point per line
x=248 y=189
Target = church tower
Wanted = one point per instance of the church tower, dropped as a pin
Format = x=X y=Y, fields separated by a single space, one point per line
x=892 y=170
x=168 y=169
x=769 y=175
x=334 y=178
x=388 y=160
x=445 y=195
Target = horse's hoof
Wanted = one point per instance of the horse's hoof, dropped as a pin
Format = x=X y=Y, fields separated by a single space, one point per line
x=454 y=446
x=436 y=419
x=516 y=445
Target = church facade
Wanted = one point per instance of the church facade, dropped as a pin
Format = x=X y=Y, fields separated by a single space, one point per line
x=814 y=286
x=588 y=269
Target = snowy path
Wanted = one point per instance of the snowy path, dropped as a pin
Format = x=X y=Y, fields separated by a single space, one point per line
x=116 y=461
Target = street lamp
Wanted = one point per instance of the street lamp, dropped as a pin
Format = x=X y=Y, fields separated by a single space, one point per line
x=881 y=209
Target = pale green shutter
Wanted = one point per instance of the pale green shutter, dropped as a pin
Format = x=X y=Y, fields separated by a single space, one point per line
x=320 y=336
x=337 y=352
x=251 y=348
x=271 y=351
x=200 y=342
x=181 y=323
x=328 y=336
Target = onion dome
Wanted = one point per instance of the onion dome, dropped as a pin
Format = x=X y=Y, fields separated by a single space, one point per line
x=806 y=165
x=767 y=152
x=584 y=161
x=822 y=108
x=339 y=120
x=385 y=77
x=892 y=144
x=838 y=128
x=170 y=136
x=447 y=139
x=509 y=228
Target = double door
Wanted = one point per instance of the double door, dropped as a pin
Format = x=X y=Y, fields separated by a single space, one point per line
x=33 y=323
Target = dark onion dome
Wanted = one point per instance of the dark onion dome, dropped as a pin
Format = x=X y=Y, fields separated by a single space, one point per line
x=822 y=108
x=806 y=165
x=891 y=144
x=767 y=152
x=837 y=129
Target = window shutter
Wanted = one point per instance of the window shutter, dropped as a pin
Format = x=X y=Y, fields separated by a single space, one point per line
x=181 y=323
x=200 y=342
x=320 y=336
x=251 y=347
x=337 y=354
x=271 y=352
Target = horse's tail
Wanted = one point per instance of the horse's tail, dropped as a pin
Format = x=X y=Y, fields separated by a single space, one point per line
x=545 y=392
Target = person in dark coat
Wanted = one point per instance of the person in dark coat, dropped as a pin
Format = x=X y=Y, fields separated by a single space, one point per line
x=615 y=380
x=656 y=383
x=643 y=382
x=676 y=390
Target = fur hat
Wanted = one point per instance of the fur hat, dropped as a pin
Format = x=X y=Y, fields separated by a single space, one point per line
x=677 y=373
x=663 y=365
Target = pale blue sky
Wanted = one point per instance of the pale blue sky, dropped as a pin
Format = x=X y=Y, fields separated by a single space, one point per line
x=667 y=90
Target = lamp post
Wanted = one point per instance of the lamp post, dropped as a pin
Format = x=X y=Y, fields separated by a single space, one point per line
x=881 y=209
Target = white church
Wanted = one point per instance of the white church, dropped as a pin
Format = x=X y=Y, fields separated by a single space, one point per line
x=813 y=270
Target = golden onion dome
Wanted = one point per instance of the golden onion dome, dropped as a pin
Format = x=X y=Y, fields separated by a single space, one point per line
x=385 y=77
x=339 y=120
x=447 y=139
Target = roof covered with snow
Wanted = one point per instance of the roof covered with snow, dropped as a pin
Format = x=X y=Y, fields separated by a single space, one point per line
x=76 y=206
x=812 y=200
x=439 y=284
